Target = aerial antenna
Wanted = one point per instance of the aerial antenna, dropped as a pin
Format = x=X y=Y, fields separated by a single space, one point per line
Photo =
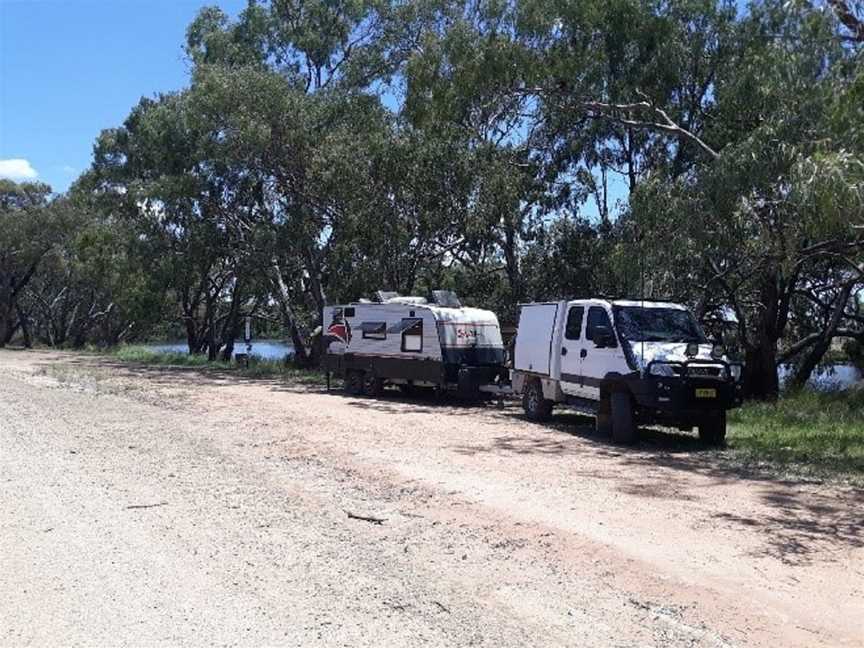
x=642 y=281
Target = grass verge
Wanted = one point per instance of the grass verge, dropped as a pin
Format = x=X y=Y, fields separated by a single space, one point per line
x=811 y=433
x=258 y=368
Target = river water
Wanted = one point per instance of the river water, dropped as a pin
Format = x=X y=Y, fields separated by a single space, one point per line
x=264 y=349
x=829 y=378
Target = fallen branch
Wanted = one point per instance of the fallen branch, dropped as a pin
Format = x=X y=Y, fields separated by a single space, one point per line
x=442 y=607
x=146 y=506
x=365 y=518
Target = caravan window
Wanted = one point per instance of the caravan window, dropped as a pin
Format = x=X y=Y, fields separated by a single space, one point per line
x=412 y=335
x=374 y=330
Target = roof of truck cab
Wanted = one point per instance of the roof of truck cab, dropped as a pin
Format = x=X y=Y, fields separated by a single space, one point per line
x=647 y=303
x=639 y=303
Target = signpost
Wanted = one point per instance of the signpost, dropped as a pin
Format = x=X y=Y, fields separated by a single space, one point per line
x=248 y=336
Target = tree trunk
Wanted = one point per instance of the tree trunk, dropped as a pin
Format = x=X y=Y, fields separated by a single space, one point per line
x=817 y=351
x=760 y=374
x=299 y=337
x=25 y=327
x=6 y=321
x=232 y=323
x=212 y=349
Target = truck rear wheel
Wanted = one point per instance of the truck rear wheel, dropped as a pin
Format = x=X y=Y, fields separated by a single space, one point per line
x=604 y=417
x=712 y=429
x=354 y=382
x=537 y=408
x=623 y=425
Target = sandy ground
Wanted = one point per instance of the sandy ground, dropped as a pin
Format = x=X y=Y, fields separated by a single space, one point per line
x=162 y=506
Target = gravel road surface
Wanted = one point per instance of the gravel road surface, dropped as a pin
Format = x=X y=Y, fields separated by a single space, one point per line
x=143 y=506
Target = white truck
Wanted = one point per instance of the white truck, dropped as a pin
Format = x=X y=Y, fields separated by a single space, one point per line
x=626 y=363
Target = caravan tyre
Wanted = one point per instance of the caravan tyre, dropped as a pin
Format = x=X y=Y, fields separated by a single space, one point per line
x=407 y=390
x=537 y=408
x=354 y=382
x=623 y=425
x=372 y=385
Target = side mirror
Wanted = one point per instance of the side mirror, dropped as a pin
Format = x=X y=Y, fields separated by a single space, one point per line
x=604 y=338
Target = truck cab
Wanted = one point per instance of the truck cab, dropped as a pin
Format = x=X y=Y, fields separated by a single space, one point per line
x=626 y=362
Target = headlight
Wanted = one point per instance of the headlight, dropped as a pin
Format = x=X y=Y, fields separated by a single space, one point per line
x=661 y=370
x=735 y=370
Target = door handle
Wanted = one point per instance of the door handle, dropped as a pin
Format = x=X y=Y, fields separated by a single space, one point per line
x=583 y=353
x=563 y=350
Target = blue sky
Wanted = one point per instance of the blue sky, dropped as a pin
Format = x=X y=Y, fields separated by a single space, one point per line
x=69 y=68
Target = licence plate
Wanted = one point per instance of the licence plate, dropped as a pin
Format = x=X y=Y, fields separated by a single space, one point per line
x=706 y=393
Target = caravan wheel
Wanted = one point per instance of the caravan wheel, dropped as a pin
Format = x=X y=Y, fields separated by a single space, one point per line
x=372 y=385
x=354 y=382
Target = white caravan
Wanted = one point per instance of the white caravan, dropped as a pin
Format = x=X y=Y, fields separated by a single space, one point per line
x=626 y=362
x=409 y=341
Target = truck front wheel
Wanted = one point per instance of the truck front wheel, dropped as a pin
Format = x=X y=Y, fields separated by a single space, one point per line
x=712 y=429
x=537 y=408
x=623 y=425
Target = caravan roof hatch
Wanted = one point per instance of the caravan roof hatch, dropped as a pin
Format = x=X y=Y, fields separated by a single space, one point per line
x=446 y=298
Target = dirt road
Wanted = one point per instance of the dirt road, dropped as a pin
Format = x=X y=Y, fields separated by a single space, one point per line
x=143 y=506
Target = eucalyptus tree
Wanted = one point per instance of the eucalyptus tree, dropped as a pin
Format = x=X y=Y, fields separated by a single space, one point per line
x=97 y=285
x=764 y=220
x=31 y=226
x=157 y=173
x=286 y=85
x=464 y=84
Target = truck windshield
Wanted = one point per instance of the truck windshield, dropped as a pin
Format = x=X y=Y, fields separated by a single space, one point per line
x=639 y=324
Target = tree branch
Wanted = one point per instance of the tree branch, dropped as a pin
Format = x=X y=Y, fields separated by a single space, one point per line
x=846 y=16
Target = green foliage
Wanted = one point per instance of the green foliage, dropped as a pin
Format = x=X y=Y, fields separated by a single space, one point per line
x=257 y=368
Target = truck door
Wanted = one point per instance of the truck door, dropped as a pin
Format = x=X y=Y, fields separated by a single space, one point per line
x=598 y=359
x=571 y=370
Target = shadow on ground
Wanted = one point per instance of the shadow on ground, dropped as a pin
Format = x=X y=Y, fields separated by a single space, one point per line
x=798 y=521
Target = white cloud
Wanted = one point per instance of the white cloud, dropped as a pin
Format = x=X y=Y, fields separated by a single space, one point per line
x=17 y=169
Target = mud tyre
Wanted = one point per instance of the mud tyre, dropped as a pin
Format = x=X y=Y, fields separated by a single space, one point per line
x=603 y=423
x=712 y=429
x=623 y=423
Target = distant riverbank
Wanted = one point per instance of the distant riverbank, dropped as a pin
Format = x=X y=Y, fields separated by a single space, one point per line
x=265 y=349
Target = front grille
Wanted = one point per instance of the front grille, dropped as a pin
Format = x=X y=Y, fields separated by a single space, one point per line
x=705 y=371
